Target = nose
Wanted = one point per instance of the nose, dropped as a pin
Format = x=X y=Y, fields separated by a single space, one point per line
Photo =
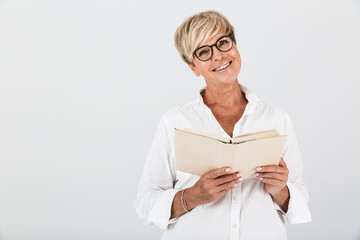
x=217 y=55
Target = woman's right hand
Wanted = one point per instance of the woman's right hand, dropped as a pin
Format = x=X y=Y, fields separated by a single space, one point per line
x=211 y=186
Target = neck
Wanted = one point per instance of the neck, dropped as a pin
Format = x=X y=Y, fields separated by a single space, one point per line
x=228 y=96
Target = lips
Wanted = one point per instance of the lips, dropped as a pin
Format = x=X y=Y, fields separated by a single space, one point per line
x=222 y=67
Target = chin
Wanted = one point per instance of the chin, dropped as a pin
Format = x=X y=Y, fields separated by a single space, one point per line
x=228 y=79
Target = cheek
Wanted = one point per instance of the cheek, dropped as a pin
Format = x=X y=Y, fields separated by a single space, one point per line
x=238 y=60
x=201 y=67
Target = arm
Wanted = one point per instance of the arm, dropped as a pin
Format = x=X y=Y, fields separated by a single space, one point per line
x=156 y=187
x=284 y=182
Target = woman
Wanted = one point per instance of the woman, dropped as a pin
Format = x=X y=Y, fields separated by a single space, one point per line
x=219 y=204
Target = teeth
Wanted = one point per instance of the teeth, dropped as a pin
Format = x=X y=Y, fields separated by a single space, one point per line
x=223 y=67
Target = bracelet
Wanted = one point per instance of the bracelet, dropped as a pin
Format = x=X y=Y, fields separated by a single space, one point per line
x=183 y=200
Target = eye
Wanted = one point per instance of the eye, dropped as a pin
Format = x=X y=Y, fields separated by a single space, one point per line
x=202 y=52
x=223 y=42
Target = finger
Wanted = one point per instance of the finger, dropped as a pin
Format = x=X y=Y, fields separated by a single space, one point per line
x=226 y=178
x=226 y=190
x=228 y=185
x=217 y=172
x=278 y=176
x=272 y=181
x=271 y=168
x=282 y=163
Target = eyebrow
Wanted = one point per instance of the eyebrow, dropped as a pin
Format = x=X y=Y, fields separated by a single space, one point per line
x=212 y=44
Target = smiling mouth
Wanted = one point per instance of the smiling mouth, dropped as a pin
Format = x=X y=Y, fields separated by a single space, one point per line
x=222 y=67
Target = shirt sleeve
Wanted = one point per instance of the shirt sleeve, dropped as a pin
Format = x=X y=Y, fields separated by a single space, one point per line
x=156 y=187
x=298 y=211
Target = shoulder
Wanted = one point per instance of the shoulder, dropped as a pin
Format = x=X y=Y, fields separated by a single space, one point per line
x=262 y=108
x=271 y=116
x=181 y=116
x=272 y=110
x=181 y=111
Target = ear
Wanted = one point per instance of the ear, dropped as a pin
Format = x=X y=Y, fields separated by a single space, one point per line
x=193 y=68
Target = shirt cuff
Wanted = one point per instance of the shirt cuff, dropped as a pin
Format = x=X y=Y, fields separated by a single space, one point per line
x=298 y=211
x=161 y=211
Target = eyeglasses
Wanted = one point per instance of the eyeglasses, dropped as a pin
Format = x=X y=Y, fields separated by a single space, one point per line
x=223 y=44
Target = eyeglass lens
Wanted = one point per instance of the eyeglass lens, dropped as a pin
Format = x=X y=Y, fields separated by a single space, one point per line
x=223 y=44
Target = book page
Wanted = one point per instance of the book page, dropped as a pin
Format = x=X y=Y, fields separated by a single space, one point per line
x=254 y=136
x=250 y=155
x=208 y=135
x=196 y=154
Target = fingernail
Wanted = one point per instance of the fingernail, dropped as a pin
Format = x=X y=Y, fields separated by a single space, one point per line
x=238 y=175
x=259 y=169
x=227 y=170
x=261 y=178
x=240 y=179
x=257 y=174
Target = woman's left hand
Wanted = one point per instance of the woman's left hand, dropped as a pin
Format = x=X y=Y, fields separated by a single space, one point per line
x=275 y=178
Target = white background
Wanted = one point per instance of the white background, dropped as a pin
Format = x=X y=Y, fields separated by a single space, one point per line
x=83 y=84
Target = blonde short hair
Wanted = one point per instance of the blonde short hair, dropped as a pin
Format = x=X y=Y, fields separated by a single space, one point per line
x=197 y=29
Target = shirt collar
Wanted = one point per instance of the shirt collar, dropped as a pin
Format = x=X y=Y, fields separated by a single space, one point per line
x=253 y=100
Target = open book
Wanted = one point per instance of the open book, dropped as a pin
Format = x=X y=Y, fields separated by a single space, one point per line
x=197 y=152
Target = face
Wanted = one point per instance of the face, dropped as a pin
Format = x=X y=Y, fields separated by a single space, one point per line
x=222 y=68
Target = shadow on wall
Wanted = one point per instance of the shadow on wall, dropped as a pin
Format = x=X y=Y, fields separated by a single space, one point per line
x=357 y=237
x=357 y=4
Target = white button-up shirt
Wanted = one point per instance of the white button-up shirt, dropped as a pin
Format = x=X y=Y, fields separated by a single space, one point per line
x=247 y=212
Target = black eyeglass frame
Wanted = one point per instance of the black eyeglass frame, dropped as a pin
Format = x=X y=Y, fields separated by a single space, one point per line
x=215 y=44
